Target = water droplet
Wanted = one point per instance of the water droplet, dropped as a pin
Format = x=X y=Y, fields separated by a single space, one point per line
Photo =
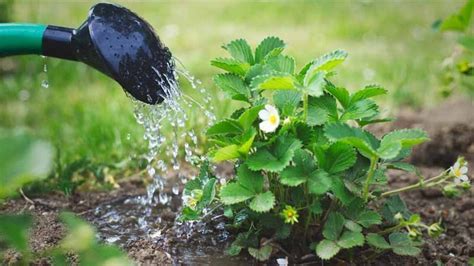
x=45 y=84
x=175 y=189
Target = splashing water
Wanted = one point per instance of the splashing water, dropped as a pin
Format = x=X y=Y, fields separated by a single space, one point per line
x=172 y=115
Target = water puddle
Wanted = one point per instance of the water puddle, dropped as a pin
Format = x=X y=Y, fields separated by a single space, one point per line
x=128 y=220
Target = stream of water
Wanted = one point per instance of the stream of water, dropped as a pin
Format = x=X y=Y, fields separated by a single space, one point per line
x=170 y=136
x=168 y=128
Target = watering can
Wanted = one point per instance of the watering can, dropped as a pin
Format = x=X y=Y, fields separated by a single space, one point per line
x=113 y=40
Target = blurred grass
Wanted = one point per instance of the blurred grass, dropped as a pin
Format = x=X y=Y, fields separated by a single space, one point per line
x=86 y=115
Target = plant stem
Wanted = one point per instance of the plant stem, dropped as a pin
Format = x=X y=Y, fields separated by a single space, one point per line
x=370 y=175
x=305 y=106
x=420 y=184
x=390 y=229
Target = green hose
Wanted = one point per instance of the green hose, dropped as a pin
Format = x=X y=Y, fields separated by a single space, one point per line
x=20 y=39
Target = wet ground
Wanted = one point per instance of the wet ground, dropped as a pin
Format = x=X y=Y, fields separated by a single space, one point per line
x=151 y=237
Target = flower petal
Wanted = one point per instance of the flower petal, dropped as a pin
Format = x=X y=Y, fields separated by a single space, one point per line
x=463 y=170
x=464 y=178
x=263 y=114
x=456 y=165
x=267 y=127
x=271 y=109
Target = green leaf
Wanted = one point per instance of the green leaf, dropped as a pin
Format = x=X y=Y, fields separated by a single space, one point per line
x=393 y=142
x=369 y=218
x=261 y=254
x=341 y=94
x=247 y=118
x=80 y=237
x=233 y=86
x=14 y=231
x=354 y=227
x=263 y=202
x=234 y=193
x=282 y=63
x=315 y=84
x=377 y=241
x=327 y=62
x=340 y=191
x=247 y=239
x=333 y=226
x=23 y=159
x=459 y=21
x=252 y=181
x=231 y=65
x=467 y=42
x=104 y=255
x=267 y=46
x=188 y=214
x=316 y=208
x=316 y=116
x=351 y=239
x=360 y=110
x=403 y=245
x=208 y=194
x=287 y=101
x=367 y=92
x=356 y=137
x=389 y=150
x=248 y=139
x=240 y=50
x=233 y=250
x=392 y=206
x=277 y=82
x=227 y=126
x=277 y=157
x=292 y=176
x=226 y=153
x=327 y=249
x=338 y=157
x=301 y=171
x=257 y=70
x=402 y=166
x=327 y=103
x=319 y=182
x=407 y=137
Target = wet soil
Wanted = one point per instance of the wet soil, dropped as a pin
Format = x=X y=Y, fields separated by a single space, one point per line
x=158 y=240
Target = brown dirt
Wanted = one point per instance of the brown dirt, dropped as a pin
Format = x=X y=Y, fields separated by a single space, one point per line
x=451 y=128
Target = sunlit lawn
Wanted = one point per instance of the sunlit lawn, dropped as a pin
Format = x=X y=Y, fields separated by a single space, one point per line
x=86 y=115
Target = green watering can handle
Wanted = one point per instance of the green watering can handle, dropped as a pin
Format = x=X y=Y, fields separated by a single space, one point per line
x=20 y=39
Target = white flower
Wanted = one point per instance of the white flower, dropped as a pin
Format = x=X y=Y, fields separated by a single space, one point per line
x=270 y=119
x=459 y=171
x=282 y=261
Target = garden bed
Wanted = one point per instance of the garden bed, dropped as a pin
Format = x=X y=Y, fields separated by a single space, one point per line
x=120 y=218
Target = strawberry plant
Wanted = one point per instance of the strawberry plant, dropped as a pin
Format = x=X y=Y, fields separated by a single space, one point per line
x=307 y=172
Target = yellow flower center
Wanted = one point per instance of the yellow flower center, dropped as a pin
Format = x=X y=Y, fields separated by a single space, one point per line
x=272 y=119
x=290 y=214
x=457 y=172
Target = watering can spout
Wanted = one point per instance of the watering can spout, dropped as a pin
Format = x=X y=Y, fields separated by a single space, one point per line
x=113 y=40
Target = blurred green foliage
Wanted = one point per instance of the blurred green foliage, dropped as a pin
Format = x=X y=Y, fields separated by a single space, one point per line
x=80 y=240
x=5 y=10
x=23 y=159
x=87 y=116
x=459 y=66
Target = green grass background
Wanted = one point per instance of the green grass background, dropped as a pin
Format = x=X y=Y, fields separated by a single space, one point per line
x=86 y=115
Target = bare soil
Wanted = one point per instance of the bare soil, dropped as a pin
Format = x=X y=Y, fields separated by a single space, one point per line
x=451 y=127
